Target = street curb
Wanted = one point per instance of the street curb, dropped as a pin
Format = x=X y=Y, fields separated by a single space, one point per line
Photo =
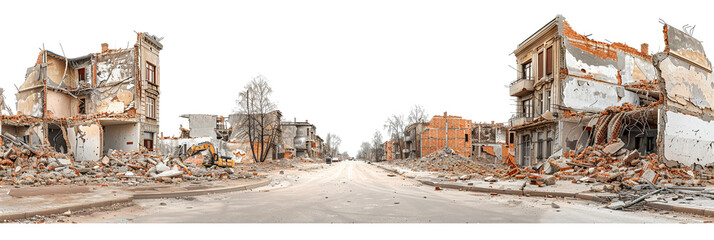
x=683 y=209
x=202 y=191
x=583 y=196
x=75 y=207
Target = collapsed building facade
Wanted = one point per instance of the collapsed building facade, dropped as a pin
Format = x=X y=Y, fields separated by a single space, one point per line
x=573 y=92
x=87 y=105
x=488 y=141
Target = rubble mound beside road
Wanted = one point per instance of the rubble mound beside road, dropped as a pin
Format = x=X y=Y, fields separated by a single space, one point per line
x=22 y=164
x=449 y=163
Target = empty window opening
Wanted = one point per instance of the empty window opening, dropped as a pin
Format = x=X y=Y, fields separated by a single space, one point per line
x=82 y=108
x=81 y=75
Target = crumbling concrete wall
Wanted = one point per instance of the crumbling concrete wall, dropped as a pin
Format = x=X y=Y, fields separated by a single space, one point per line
x=202 y=125
x=121 y=137
x=595 y=72
x=30 y=102
x=594 y=96
x=688 y=139
x=86 y=141
x=115 y=88
x=688 y=85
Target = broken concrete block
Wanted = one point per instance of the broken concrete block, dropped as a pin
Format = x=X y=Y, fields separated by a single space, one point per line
x=616 y=205
x=549 y=169
x=64 y=161
x=649 y=176
x=162 y=168
x=490 y=179
x=620 y=152
x=105 y=160
x=560 y=164
x=68 y=173
x=613 y=147
x=549 y=180
x=169 y=173
x=634 y=155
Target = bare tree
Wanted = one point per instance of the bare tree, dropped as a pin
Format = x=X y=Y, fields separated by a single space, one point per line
x=395 y=128
x=260 y=120
x=378 y=148
x=417 y=115
x=364 y=150
x=333 y=144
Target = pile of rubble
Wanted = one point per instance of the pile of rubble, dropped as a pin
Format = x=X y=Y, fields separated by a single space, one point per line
x=446 y=161
x=22 y=164
x=619 y=168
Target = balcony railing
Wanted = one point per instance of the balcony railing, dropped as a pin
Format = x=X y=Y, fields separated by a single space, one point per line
x=521 y=87
x=520 y=119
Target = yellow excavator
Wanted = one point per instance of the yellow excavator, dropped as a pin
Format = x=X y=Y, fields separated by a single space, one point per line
x=213 y=159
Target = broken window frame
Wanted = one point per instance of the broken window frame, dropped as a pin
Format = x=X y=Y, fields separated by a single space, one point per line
x=525 y=150
x=82 y=106
x=539 y=146
x=150 y=73
x=548 y=143
x=547 y=98
x=150 y=107
x=527 y=70
x=527 y=108
x=81 y=75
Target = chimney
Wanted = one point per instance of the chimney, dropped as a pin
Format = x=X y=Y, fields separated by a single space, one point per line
x=644 y=48
x=105 y=47
x=493 y=122
x=444 y=114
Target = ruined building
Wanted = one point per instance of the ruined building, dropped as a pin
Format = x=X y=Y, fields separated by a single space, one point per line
x=573 y=92
x=489 y=141
x=300 y=139
x=412 y=139
x=90 y=104
x=422 y=139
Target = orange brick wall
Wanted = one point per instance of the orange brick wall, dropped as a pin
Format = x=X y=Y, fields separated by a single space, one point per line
x=389 y=150
x=434 y=137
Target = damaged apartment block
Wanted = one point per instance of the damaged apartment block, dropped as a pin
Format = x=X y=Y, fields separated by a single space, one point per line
x=87 y=105
x=574 y=93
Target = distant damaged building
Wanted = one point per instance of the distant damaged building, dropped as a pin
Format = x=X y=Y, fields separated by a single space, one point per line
x=300 y=140
x=90 y=104
x=573 y=92
x=489 y=141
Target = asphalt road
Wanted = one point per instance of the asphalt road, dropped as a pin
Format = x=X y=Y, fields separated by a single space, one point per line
x=356 y=192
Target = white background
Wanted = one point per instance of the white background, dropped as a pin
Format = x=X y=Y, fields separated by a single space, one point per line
x=343 y=65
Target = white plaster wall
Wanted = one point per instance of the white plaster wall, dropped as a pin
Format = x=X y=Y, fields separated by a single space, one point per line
x=59 y=104
x=86 y=142
x=118 y=137
x=686 y=83
x=202 y=125
x=688 y=139
x=583 y=94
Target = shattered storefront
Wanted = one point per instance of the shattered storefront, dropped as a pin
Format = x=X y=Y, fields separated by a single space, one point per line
x=604 y=93
x=88 y=105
